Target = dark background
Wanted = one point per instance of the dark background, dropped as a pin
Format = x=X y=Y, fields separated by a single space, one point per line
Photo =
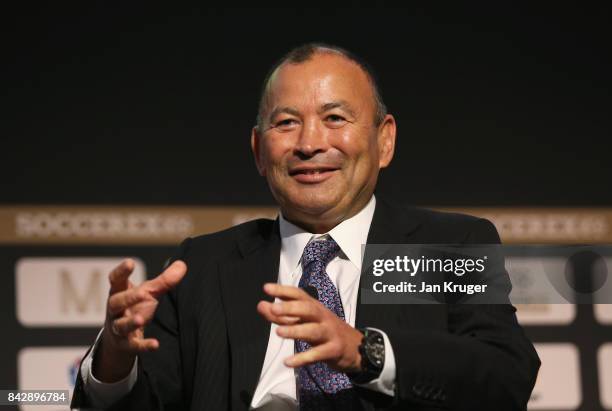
x=129 y=104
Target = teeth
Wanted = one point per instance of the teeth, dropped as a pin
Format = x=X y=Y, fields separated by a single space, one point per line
x=312 y=171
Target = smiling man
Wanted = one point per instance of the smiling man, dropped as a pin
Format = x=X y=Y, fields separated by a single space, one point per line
x=321 y=141
x=266 y=315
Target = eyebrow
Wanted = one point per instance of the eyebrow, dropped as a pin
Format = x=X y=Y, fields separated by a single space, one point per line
x=288 y=110
x=342 y=104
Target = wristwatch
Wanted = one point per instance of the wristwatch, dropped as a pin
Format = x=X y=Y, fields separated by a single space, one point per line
x=372 y=350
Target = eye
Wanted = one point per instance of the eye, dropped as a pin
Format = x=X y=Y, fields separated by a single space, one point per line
x=286 y=124
x=335 y=120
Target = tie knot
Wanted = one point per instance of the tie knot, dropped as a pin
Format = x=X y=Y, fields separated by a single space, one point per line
x=320 y=250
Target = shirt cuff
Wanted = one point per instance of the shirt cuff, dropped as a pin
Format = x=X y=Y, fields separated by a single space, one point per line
x=385 y=383
x=101 y=394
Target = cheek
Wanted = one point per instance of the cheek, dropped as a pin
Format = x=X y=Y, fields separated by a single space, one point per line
x=360 y=148
x=347 y=140
x=273 y=151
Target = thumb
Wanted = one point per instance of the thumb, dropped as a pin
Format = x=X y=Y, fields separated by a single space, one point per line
x=167 y=280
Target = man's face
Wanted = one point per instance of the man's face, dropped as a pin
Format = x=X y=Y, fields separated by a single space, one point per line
x=319 y=147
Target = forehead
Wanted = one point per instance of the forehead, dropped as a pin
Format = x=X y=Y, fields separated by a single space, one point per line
x=324 y=78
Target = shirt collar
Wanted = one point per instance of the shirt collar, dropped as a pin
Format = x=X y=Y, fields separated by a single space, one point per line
x=350 y=235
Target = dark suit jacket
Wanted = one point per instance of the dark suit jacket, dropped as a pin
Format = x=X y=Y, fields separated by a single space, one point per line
x=213 y=341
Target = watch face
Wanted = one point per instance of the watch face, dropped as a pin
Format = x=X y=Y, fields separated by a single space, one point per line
x=376 y=351
x=377 y=354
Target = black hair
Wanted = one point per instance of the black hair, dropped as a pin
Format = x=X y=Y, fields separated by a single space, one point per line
x=304 y=53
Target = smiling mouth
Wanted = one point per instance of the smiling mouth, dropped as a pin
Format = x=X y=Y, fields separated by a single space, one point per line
x=311 y=171
x=312 y=175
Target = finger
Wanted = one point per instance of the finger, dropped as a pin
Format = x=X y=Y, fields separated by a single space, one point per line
x=306 y=311
x=285 y=292
x=312 y=333
x=146 y=309
x=265 y=309
x=168 y=279
x=143 y=344
x=312 y=355
x=121 y=301
x=125 y=325
x=118 y=277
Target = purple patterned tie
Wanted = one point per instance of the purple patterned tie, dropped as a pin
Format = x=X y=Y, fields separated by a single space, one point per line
x=319 y=386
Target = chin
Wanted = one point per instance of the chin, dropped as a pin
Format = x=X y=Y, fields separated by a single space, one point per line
x=313 y=204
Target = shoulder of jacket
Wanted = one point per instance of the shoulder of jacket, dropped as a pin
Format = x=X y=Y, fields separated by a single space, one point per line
x=239 y=232
x=429 y=216
x=442 y=225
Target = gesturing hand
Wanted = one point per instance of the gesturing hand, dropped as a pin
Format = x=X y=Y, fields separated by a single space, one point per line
x=301 y=317
x=128 y=309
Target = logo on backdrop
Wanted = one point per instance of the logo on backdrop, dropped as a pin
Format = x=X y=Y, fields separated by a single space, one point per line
x=48 y=368
x=558 y=385
x=65 y=291
x=605 y=374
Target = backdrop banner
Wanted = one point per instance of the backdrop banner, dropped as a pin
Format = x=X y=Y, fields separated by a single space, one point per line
x=55 y=261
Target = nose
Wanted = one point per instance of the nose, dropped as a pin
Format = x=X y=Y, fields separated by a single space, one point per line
x=312 y=139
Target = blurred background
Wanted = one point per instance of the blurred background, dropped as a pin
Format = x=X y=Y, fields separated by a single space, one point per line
x=126 y=128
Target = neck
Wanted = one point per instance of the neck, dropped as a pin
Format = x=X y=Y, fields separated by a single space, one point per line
x=318 y=227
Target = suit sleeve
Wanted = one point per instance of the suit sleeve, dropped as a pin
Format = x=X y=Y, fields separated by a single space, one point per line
x=158 y=383
x=483 y=362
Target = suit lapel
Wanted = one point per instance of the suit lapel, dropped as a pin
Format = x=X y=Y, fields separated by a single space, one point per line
x=241 y=287
x=390 y=225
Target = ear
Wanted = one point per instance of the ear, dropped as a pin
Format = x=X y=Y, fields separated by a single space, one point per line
x=255 y=142
x=386 y=141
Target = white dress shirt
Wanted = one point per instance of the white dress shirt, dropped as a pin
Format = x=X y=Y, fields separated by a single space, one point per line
x=276 y=389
